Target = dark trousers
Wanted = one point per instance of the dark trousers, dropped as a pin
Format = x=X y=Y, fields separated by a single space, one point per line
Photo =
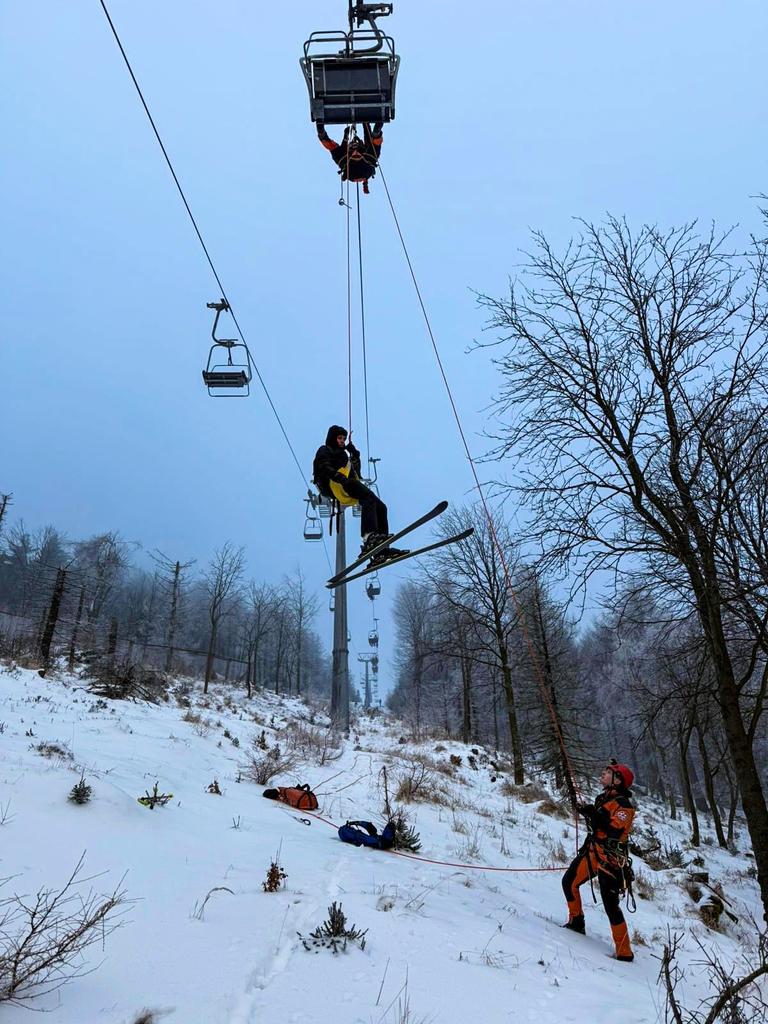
x=579 y=872
x=374 y=511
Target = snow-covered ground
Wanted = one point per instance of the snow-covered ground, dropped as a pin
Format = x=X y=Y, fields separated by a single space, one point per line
x=448 y=944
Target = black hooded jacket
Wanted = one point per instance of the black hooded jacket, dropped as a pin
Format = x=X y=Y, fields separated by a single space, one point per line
x=329 y=459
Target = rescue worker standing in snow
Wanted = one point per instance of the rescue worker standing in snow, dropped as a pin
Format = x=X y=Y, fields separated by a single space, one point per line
x=604 y=855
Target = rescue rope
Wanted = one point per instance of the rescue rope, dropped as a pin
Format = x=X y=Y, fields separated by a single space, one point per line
x=491 y=525
x=349 y=319
x=362 y=325
x=429 y=860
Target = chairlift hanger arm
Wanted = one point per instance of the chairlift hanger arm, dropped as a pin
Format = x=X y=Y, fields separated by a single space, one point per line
x=221 y=306
x=359 y=14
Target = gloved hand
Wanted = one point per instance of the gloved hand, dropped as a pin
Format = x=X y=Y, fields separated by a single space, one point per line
x=587 y=810
x=339 y=478
x=352 y=450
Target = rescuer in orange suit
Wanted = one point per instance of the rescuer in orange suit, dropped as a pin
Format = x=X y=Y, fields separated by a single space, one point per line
x=604 y=855
x=356 y=158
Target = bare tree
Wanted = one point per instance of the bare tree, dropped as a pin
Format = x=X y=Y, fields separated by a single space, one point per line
x=412 y=614
x=258 y=622
x=303 y=607
x=104 y=559
x=172 y=580
x=472 y=577
x=222 y=583
x=633 y=402
x=5 y=501
x=43 y=937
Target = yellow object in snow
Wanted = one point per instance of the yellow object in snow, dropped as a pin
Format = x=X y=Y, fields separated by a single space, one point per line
x=338 y=491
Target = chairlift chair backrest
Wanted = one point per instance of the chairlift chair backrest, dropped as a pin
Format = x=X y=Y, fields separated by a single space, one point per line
x=350 y=85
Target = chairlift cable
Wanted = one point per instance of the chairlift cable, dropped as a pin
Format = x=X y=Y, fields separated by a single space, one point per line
x=200 y=238
x=362 y=327
x=492 y=528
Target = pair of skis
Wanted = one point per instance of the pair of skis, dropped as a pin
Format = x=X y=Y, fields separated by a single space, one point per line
x=349 y=574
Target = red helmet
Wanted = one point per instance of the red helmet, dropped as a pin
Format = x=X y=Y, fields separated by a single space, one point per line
x=624 y=772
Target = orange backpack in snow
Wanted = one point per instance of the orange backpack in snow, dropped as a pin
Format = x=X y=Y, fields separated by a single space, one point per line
x=300 y=797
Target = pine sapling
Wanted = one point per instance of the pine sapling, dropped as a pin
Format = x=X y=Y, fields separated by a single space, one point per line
x=333 y=933
x=81 y=792
x=406 y=837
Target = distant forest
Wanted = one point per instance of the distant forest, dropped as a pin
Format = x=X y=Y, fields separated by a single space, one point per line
x=86 y=600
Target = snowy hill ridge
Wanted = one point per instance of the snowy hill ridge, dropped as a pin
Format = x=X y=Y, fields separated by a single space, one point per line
x=202 y=941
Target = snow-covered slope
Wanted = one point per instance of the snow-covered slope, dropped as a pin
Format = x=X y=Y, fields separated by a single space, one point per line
x=444 y=943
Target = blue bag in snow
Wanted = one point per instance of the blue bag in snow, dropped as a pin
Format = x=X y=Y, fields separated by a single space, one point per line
x=364 y=833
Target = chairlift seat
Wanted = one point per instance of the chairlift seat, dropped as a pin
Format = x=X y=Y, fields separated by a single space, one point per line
x=225 y=378
x=351 y=90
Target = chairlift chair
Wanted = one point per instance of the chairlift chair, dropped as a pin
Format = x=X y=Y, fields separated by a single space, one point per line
x=313 y=528
x=373 y=638
x=356 y=82
x=230 y=377
x=373 y=587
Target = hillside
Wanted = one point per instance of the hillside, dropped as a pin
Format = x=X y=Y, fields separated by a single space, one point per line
x=443 y=940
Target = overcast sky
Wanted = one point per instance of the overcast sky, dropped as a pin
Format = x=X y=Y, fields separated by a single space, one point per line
x=510 y=116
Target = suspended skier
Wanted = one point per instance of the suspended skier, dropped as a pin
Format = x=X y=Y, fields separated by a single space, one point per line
x=356 y=158
x=336 y=472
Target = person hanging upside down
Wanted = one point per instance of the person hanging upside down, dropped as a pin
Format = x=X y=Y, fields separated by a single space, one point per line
x=356 y=158
x=336 y=472
x=604 y=854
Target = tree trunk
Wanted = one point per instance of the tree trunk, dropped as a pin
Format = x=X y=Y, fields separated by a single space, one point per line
x=73 y=641
x=709 y=789
x=685 y=776
x=514 y=732
x=466 y=705
x=665 y=780
x=52 y=617
x=112 y=644
x=209 y=656
x=739 y=744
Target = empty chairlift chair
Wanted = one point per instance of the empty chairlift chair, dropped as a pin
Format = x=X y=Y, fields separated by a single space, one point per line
x=227 y=376
x=313 y=526
x=351 y=76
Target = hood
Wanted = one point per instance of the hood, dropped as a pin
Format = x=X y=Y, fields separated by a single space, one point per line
x=333 y=433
